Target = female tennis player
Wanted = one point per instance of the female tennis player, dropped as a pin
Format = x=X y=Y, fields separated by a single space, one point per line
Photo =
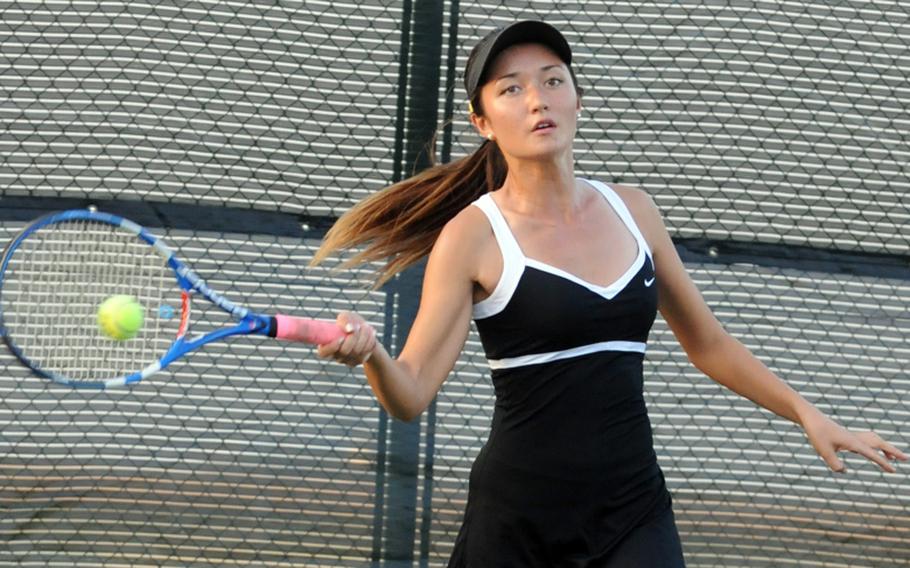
x=563 y=277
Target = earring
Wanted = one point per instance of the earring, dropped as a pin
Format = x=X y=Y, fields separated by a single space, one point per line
x=490 y=137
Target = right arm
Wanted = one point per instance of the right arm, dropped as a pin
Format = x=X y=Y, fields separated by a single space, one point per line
x=405 y=386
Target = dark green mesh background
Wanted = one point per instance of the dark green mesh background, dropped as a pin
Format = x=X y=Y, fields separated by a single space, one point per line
x=773 y=136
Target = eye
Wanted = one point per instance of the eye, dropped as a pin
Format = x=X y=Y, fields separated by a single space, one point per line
x=511 y=89
x=554 y=82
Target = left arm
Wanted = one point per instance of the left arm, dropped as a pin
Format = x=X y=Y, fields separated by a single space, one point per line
x=727 y=361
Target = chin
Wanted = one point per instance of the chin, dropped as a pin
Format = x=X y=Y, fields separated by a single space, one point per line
x=546 y=152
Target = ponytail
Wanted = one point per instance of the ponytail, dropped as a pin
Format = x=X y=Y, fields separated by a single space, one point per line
x=400 y=223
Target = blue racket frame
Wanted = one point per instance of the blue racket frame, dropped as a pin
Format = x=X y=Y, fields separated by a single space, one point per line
x=248 y=323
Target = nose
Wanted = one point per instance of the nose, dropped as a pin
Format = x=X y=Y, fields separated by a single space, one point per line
x=536 y=99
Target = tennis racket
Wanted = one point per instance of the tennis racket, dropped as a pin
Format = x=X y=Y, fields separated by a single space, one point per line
x=57 y=271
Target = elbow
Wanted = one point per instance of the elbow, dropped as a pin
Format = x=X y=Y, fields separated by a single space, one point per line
x=410 y=402
x=405 y=414
x=405 y=409
x=703 y=352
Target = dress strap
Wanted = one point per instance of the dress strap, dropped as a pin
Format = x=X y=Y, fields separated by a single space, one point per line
x=513 y=260
x=620 y=207
x=507 y=242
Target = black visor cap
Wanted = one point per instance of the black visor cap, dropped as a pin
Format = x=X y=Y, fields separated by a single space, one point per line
x=527 y=31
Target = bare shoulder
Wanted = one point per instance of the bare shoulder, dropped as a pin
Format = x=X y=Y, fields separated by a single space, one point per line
x=463 y=239
x=466 y=229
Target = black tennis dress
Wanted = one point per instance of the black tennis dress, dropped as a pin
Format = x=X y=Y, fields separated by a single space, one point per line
x=568 y=476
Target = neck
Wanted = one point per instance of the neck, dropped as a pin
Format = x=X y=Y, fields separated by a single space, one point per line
x=542 y=188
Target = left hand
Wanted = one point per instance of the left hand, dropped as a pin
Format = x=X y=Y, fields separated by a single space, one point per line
x=828 y=437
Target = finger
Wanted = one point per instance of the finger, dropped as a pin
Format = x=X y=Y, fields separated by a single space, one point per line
x=362 y=342
x=328 y=350
x=833 y=462
x=347 y=353
x=344 y=346
x=348 y=321
x=876 y=441
x=372 y=344
x=350 y=358
x=891 y=452
x=343 y=318
x=366 y=343
x=872 y=455
x=829 y=455
x=368 y=335
x=358 y=346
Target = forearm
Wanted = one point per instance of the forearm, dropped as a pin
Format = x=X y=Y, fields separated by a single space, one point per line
x=395 y=385
x=730 y=363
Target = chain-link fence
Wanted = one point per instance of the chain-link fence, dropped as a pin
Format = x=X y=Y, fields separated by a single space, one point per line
x=773 y=136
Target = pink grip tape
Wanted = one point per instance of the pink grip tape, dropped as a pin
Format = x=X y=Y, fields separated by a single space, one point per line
x=315 y=332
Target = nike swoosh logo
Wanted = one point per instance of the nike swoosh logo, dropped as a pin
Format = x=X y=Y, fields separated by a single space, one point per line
x=649 y=282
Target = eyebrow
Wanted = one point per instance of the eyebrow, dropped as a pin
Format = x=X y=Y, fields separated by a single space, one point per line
x=515 y=73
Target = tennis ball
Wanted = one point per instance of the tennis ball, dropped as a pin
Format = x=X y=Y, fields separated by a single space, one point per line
x=120 y=317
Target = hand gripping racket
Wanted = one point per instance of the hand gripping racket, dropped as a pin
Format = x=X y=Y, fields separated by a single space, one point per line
x=57 y=271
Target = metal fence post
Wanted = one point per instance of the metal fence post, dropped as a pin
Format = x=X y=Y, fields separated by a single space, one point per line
x=397 y=476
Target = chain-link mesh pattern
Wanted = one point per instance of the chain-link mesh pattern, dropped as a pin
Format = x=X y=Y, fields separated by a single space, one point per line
x=251 y=104
x=760 y=123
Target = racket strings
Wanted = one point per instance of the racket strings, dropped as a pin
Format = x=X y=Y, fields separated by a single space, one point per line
x=58 y=278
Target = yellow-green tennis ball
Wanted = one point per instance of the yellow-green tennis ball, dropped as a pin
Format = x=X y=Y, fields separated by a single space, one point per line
x=120 y=317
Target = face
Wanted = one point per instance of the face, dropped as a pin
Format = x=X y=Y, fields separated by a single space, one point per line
x=529 y=103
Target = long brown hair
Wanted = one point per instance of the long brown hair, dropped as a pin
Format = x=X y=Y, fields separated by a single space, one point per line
x=400 y=223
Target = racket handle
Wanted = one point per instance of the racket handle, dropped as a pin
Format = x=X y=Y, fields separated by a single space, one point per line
x=306 y=330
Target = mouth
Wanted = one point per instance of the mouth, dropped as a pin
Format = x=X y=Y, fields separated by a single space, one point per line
x=544 y=125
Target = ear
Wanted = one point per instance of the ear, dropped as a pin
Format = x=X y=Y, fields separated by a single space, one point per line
x=481 y=124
